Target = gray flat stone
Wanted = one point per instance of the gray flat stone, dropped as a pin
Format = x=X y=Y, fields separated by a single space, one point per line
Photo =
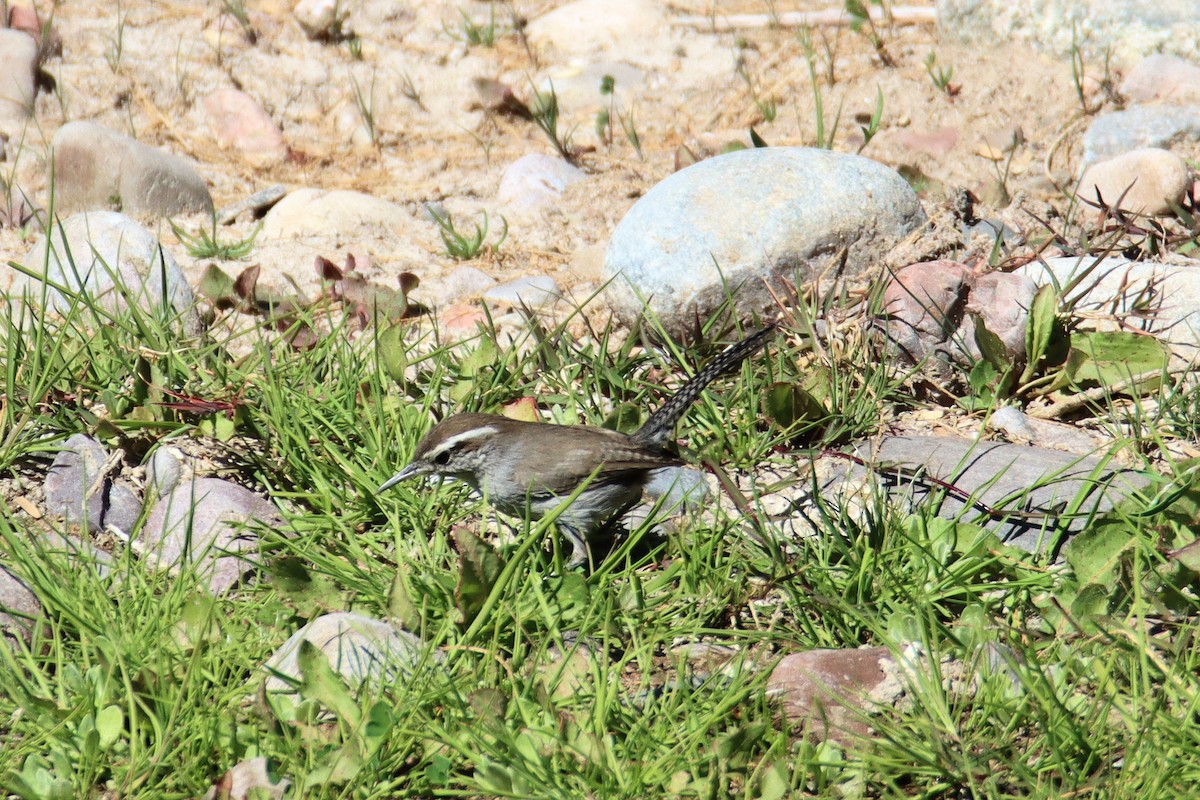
x=96 y=168
x=1000 y=476
x=359 y=648
x=19 y=608
x=113 y=259
x=534 y=291
x=738 y=221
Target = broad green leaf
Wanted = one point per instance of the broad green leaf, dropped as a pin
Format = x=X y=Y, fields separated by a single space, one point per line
x=320 y=683
x=788 y=405
x=992 y=348
x=400 y=605
x=479 y=566
x=1103 y=358
x=110 y=724
x=1098 y=553
x=217 y=286
x=393 y=354
x=484 y=355
x=1043 y=322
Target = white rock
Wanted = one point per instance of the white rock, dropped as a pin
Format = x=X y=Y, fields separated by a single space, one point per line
x=536 y=181
x=114 y=260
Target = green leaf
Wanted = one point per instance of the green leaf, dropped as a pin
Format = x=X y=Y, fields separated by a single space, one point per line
x=479 y=567
x=216 y=285
x=1043 y=323
x=775 y=781
x=393 y=353
x=400 y=605
x=757 y=140
x=992 y=348
x=1102 y=358
x=320 y=683
x=1098 y=554
x=484 y=355
x=380 y=721
x=110 y=724
x=625 y=417
x=788 y=405
x=308 y=594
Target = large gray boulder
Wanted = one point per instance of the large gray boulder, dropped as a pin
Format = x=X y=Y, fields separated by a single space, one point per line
x=748 y=222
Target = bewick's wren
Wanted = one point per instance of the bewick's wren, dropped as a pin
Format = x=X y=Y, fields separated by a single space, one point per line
x=528 y=465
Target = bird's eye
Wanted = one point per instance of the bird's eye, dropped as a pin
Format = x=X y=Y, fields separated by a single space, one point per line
x=442 y=458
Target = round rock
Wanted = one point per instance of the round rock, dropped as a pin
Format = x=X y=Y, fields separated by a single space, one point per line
x=115 y=261
x=743 y=220
x=1148 y=180
x=206 y=521
x=98 y=168
x=535 y=181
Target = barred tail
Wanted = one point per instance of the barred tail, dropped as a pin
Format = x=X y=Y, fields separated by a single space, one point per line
x=661 y=424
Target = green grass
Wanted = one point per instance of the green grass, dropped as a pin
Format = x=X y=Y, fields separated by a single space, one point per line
x=142 y=685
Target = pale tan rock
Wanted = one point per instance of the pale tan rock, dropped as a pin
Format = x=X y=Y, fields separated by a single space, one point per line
x=18 y=68
x=1151 y=180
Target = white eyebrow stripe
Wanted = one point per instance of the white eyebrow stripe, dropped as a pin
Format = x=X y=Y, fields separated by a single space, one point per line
x=459 y=438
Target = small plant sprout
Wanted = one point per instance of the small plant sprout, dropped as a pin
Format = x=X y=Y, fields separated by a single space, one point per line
x=409 y=89
x=766 y=105
x=1079 y=75
x=940 y=75
x=545 y=116
x=365 y=103
x=204 y=243
x=472 y=32
x=604 y=115
x=629 y=125
x=824 y=140
x=463 y=247
x=872 y=125
x=116 y=45
x=236 y=9
x=861 y=22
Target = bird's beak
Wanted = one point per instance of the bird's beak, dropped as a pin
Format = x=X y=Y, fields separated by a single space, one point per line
x=410 y=471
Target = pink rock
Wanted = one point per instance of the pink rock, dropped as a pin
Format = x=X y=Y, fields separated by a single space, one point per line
x=25 y=19
x=1165 y=79
x=928 y=296
x=833 y=691
x=462 y=318
x=239 y=123
x=934 y=143
x=1001 y=300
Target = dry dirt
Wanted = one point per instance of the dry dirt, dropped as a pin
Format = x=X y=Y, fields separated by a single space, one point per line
x=144 y=67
